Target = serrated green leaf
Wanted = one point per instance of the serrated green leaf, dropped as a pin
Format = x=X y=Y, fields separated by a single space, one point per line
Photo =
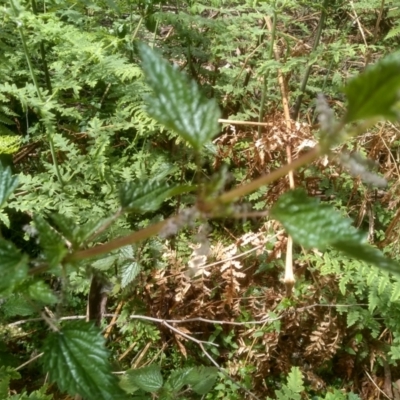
x=177 y=379
x=126 y=385
x=363 y=251
x=10 y=372
x=4 y=388
x=77 y=360
x=40 y=292
x=13 y=266
x=4 y=218
x=8 y=184
x=105 y=263
x=375 y=92
x=5 y=120
x=310 y=223
x=51 y=241
x=78 y=234
x=147 y=196
x=295 y=380
x=130 y=268
x=148 y=378
x=202 y=379
x=18 y=305
x=315 y=225
x=395 y=295
x=129 y=271
x=177 y=103
x=6 y=375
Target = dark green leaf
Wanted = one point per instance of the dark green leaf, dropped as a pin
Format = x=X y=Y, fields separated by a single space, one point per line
x=78 y=234
x=315 y=225
x=40 y=292
x=147 y=196
x=177 y=103
x=6 y=375
x=375 y=92
x=310 y=223
x=77 y=360
x=13 y=266
x=105 y=263
x=178 y=379
x=129 y=271
x=365 y=252
x=19 y=305
x=8 y=183
x=202 y=379
x=9 y=372
x=52 y=243
x=147 y=378
x=129 y=268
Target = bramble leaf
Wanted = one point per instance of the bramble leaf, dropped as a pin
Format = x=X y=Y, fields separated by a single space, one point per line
x=13 y=266
x=177 y=103
x=8 y=183
x=77 y=360
x=315 y=225
x=375 y=92
x=148 y=378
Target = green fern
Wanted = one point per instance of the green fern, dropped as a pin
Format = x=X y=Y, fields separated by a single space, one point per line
x=293 y=388
x=393 y=32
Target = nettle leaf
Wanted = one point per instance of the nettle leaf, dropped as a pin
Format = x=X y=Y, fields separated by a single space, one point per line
x=78 y=234
x=315 y=225
x=105 y=263
x=375 y=92
x=202 y=379
x=130 y=268
x=41 y=292
x=52 y=243
x=77 y=360
x=19 y=305
x=13 y=266
x=148 y=378
x=147 y=196
x=129 y=271
x=177 y=103
x=177 y=378
x=8 y=184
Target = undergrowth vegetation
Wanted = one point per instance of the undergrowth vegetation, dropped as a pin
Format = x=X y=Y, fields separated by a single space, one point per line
x=199 y=199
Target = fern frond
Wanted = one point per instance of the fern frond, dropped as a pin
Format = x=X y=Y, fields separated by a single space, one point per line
x=393 y=32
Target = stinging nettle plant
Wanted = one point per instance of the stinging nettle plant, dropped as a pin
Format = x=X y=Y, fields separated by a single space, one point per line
x=74 y=353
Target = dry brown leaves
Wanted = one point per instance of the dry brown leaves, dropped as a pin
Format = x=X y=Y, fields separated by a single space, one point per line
x=219 y=280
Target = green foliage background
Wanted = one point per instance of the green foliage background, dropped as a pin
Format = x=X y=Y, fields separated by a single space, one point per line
x=101 y=136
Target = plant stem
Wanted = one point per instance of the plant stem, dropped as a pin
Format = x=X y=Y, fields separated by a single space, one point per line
x=43 y=54
x=321 y=25
x=224 y=198
x=49 y=127
x=265 y=78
